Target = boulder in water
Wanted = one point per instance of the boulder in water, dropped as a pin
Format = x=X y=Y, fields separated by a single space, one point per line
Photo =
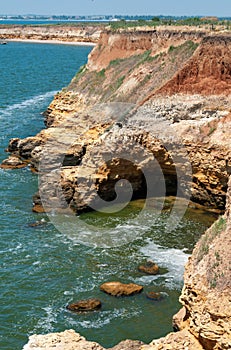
x=85 y=305
x=121 y=289
x=150 y=268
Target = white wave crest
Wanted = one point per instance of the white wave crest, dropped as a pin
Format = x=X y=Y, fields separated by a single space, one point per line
x=29 y=102
x=172 y=259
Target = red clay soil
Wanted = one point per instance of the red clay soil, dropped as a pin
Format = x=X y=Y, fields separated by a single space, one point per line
x=208 y=72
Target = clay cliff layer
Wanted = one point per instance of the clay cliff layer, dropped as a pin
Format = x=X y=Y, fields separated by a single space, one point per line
x=48 y=32
x=125 y=43
x=207 y=72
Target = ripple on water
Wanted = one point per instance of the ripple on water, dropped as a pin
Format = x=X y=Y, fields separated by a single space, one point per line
x=31 y=103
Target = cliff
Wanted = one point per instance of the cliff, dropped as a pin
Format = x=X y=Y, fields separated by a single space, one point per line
x=128 y=92
x=63 y=33
x=126 y=43
x=148 y=102
x=208 y=72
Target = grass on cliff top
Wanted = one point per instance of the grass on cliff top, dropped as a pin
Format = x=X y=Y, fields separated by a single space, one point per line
x=213 y=24
x=189 y=44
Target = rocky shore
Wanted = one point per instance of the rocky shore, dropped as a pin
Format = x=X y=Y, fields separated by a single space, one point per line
x=70 y=340
x=147 y=102
x=203 y=322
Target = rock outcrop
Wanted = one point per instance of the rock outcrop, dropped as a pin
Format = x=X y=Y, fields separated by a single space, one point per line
x=67 y=340
x=119 y=289
x=13 y=162
x=100 y=157
x=70 y=340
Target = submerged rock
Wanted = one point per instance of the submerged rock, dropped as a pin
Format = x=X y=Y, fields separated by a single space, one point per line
x=154 y=296
x=85 y=305
x=37 y=223
x=121 y=289
x=149 y=268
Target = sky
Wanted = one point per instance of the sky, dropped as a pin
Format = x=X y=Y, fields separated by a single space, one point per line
x=119 y=7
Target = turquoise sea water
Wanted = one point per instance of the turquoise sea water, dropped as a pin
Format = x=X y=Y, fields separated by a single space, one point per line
x=42 y=269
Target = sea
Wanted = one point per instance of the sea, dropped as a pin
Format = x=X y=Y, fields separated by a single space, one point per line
x=43 y=269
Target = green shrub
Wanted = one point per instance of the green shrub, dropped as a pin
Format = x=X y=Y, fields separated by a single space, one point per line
x=101 y=74
x=119 y=82
x=115 y=62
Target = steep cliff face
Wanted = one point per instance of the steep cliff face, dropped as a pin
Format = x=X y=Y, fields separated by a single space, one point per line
x=127 y=83
x=126 y=43
x=125 y=67
x=208 y=72
x=131 y=78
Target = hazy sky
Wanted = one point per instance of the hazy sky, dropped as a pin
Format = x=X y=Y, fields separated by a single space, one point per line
x=151 y=7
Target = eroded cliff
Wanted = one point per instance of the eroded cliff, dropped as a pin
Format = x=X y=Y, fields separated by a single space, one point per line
x=54 y=33
x=208 y=72
x=148 y=102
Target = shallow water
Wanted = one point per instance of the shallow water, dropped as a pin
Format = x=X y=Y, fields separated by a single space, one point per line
x=43 y=269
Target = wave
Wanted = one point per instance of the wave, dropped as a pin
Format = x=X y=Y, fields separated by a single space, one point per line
x=48 y=321
x=172 y=259
x=106 y=317
x=33 y=101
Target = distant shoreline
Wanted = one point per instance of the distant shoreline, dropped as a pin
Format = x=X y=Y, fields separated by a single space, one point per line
x=49 y=41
